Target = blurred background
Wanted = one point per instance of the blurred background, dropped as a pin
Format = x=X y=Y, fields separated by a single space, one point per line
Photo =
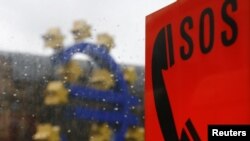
x=39 y=89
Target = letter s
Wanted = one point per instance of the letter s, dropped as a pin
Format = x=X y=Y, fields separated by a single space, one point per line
x=244 y=133
x=227 y=41
x=189 y=21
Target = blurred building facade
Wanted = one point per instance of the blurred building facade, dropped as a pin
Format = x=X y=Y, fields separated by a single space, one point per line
x=22 y=84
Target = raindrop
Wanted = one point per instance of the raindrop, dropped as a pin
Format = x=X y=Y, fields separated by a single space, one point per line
x=69 y=131
x=14 y=94
x=39 y=66
x=143 y=79
x=116 y=108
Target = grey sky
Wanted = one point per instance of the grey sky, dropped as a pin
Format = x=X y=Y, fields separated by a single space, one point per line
x=22 y=22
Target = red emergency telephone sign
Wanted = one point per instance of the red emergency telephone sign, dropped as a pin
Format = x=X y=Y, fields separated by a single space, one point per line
x=197 y=68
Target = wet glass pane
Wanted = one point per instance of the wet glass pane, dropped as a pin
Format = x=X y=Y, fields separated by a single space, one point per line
x=73 y=70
